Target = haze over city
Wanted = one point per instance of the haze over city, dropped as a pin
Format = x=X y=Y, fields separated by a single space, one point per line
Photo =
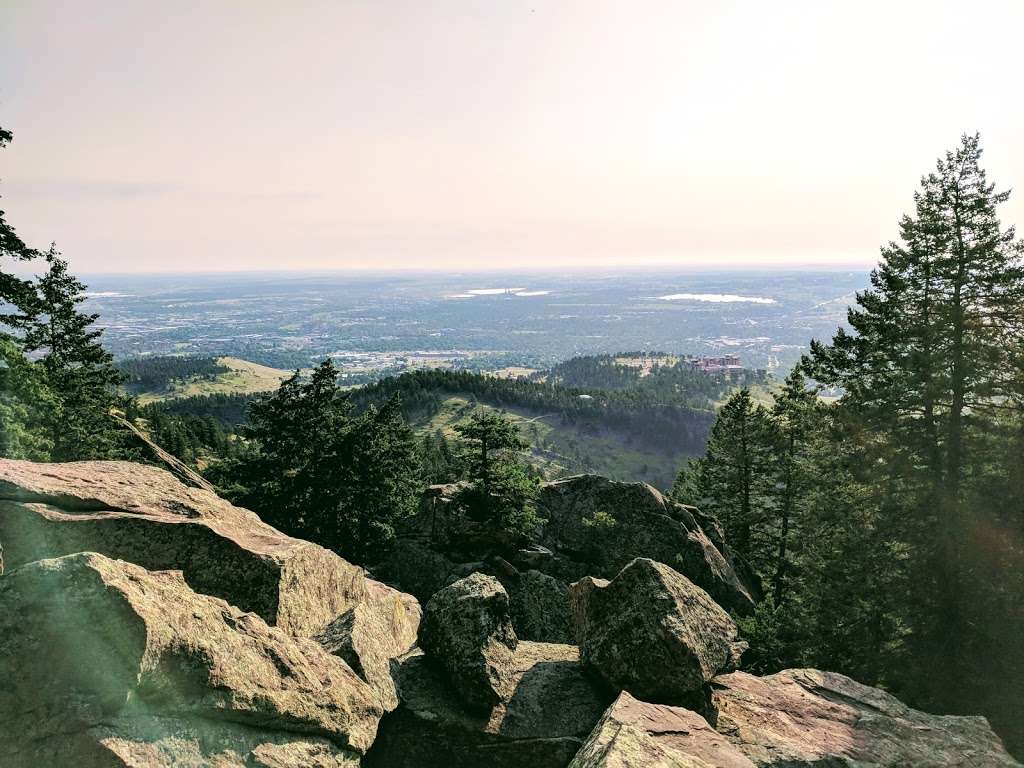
x=466 y=135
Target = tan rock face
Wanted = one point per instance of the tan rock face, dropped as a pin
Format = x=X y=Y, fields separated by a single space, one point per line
x=652 y=632
x=646 y=524
x=549 y=708
x=105 y=661
x=369 y=636
x=634 y=733
x=145 y=516
x=804 y=717
x=467 y=629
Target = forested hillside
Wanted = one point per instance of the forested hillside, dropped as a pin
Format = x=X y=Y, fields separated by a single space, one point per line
x=890 y=525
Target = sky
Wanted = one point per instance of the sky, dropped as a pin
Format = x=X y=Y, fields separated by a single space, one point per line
x=483 y=134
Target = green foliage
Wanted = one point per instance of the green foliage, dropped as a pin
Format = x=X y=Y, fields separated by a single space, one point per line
x=79 y=371
x=25 y=406
x=153 y=374
x=735 y=479
x=501 y=490
x=890 y=524
x=600 y=520
x=317 y=471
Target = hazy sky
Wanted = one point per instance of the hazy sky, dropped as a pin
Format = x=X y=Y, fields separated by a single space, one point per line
x=240 y=134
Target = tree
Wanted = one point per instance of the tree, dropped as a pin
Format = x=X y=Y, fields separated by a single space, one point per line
x=932 y=367
x=16 y=294
x=79 y=371
x=733 y=480
x=26 y=404
x=502 y=491
x=316 y=470
x=797 y=418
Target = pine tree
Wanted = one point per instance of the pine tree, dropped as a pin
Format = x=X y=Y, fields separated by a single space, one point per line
x=798 y=419
x=16 y=294
x=316 y=470
x=502 y=490
x=931 y=370
x=734 y=479
x=79 y=371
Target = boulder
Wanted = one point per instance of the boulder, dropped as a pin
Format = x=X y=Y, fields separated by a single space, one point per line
x=367 y=637
x=467 y=629
x=636 y=734
x=145 y=516
x=416 y=568
x=106 y=663
x=804 y=717
x=605 y=524
x=548 y=709
x=652 y=632
x=539 y=605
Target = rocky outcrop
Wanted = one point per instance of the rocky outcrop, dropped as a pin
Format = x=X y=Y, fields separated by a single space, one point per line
x=604 y=524
x=652 y=632
x=804 y=717
x=539 y=605
x=636 y=734
x=547 y=710
x=381 y=628
x=145 y=516
x=106 y=663
x=468 y=631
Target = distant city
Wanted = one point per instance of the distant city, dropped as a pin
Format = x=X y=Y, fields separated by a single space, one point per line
x=372 y=325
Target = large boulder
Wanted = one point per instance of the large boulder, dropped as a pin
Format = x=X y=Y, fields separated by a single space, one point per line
x=604 y=524
x=146 y=516
x=652 y=632
x=636 y=734
x=804 y=717
x=105 y=663
x=549 y=707
x=381 y=628
x=467 y=629
x=416 y=568
x=539 y=605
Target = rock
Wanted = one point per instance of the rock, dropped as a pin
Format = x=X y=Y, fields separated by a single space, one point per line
x=634 y=520
x=652 y=632
x=468 y=631
x=635 y=734
x=416 y=568
x=550 y=706
x=367 y=637
x=539 y=605
x=803 y=717
x=145 y=516
x=106 y=663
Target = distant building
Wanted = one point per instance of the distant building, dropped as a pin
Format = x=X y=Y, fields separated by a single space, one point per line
x=725 y=364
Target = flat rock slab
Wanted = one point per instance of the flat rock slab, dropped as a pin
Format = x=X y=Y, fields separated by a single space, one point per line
x=97 y=653
x=144 y=515
x=636 y=734
x=805 y=717
x=551 y=707
x=653 y=632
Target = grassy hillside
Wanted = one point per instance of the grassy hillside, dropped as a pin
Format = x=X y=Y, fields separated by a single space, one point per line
x=240 y=377
x=559 y=448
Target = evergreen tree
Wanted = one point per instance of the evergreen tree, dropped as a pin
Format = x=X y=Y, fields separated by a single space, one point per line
x=734 y=479
x=502 y=490
x=932 y=365
x=16 y=294
x=316 y=470
x=798 y=421
x=79 y=371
